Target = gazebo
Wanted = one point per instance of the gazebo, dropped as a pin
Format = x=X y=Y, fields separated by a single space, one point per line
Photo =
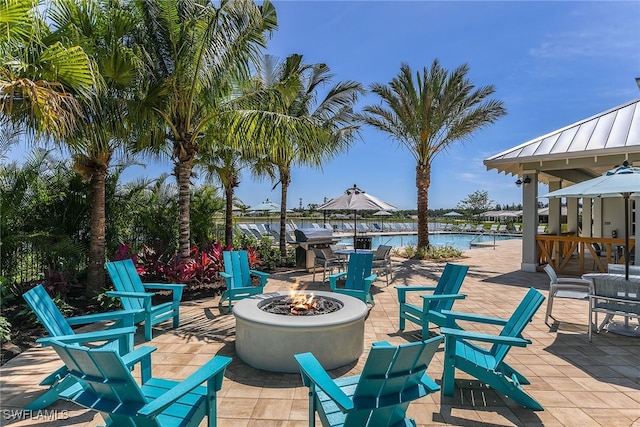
x=564 y=157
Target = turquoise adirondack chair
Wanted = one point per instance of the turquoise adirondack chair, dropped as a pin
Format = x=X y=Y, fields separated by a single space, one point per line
x=443 y=295
x=59 y=327
x=105 y=384
x=358 y=277
x=134 y=295
x=392 y=377
x=238 y=278
x=489 y=366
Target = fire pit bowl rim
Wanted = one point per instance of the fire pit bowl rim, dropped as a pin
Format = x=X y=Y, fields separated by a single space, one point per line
x=249 y=310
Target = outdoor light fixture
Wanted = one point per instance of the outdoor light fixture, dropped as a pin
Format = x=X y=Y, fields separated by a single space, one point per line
x=526 y=181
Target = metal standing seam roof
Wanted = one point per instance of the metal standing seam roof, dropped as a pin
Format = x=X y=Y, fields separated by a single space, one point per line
x=614 y=131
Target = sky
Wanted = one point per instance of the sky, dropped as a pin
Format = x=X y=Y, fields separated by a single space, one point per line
x=552 y=63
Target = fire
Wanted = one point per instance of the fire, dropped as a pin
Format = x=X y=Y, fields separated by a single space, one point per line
x=301 y=301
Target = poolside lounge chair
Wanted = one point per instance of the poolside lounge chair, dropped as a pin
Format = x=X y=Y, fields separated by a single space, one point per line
x=494 y=228
x=106 y=384
x=392 y=377
x=480 y=228
x=488 y=365
x=502 y=228
x=569 y=287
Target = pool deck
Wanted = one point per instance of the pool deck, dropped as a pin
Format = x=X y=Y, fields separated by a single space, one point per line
x=579 y=383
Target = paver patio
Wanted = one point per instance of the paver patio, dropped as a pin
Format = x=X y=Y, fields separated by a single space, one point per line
x=579 y=383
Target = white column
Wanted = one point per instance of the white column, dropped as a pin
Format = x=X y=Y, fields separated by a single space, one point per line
x=597 y=217
x=572 y=215
x=555 y=212
x=529 y=223
x=587 y=219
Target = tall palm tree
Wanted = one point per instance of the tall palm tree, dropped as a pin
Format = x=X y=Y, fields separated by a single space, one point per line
x=101 y=28
x=39 y=75
x=428 y=115
x=299 y=128
x=192 y=48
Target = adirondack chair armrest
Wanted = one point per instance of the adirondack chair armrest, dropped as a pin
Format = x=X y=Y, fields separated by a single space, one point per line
x=402 y=291
x=458 y=315
x=313 y=372
x=369 y=280
x=477 y=336
x=333 y=279
x=87 y=337
x=213 y=369
x=138 y=355
x=382 y=344
x=125 y=316
x=175 y=288
x=225 y=275
x=261 y=274
x=429 y=383
x=144 y=295
x=442 y=296
x=165 y=286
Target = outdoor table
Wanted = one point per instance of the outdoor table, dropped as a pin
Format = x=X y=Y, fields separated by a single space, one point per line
x=607 y=323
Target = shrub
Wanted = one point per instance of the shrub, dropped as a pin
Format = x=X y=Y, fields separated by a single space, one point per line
x=5 y=330
x=434 y=252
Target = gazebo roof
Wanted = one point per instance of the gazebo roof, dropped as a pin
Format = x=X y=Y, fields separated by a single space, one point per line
x=579 y=151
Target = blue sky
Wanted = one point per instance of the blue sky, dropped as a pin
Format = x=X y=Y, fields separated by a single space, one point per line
x=553 y=63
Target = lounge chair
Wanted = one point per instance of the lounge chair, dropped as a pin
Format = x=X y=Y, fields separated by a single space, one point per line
x=564 y=287
x=358 y=278
x=105 y=384
x=120 y=336
x=435 y=299
x=237 y=276
x=392 y=377
x=382 y=261
x=135 y=295
x=488 y=365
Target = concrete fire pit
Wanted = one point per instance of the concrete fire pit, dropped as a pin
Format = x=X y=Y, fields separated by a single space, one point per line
x=268 y=341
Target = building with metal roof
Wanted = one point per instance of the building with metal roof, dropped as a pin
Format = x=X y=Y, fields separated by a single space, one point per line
x=575 y=153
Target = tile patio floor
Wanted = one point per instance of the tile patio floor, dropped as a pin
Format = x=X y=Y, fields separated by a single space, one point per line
x=578 y=383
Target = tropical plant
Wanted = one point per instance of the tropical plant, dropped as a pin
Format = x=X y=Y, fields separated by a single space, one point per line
x=476 y=203
x=39 y=74
x=428 y=115
x=299 y=127
x=192 y=49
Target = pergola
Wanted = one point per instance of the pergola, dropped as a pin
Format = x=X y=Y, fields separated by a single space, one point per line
x=564 y=157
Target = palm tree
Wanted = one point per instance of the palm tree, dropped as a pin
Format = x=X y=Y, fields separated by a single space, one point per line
x=192 y=48
x=429 y=114
x=103 y=29
x=297 y=129
x=39 y=75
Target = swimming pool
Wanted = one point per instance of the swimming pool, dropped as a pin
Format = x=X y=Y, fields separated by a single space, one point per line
x=461 y=241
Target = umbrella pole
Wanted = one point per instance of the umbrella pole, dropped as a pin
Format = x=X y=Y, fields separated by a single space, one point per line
x=355 y=230
x=626 y=235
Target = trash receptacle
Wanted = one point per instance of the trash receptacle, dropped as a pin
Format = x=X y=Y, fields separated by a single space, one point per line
x=363 y=242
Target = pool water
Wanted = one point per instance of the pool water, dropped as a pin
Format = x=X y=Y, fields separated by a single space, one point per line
x=461 y=241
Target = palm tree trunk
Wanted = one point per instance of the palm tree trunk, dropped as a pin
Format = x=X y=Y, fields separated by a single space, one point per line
x=285 y=180
x=95 y=269
x=423 y=180
x=184 y=203
x=228 y=216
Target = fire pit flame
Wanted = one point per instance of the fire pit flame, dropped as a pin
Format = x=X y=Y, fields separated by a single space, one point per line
x=300 y=303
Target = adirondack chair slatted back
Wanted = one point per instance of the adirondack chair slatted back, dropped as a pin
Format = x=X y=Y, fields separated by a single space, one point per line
x=358 y=269
x=518 y=321
x=47 y=312
x=236 y=263
x=390 y=375
x=449 y=283
x=103 y=373
x=125 y=278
